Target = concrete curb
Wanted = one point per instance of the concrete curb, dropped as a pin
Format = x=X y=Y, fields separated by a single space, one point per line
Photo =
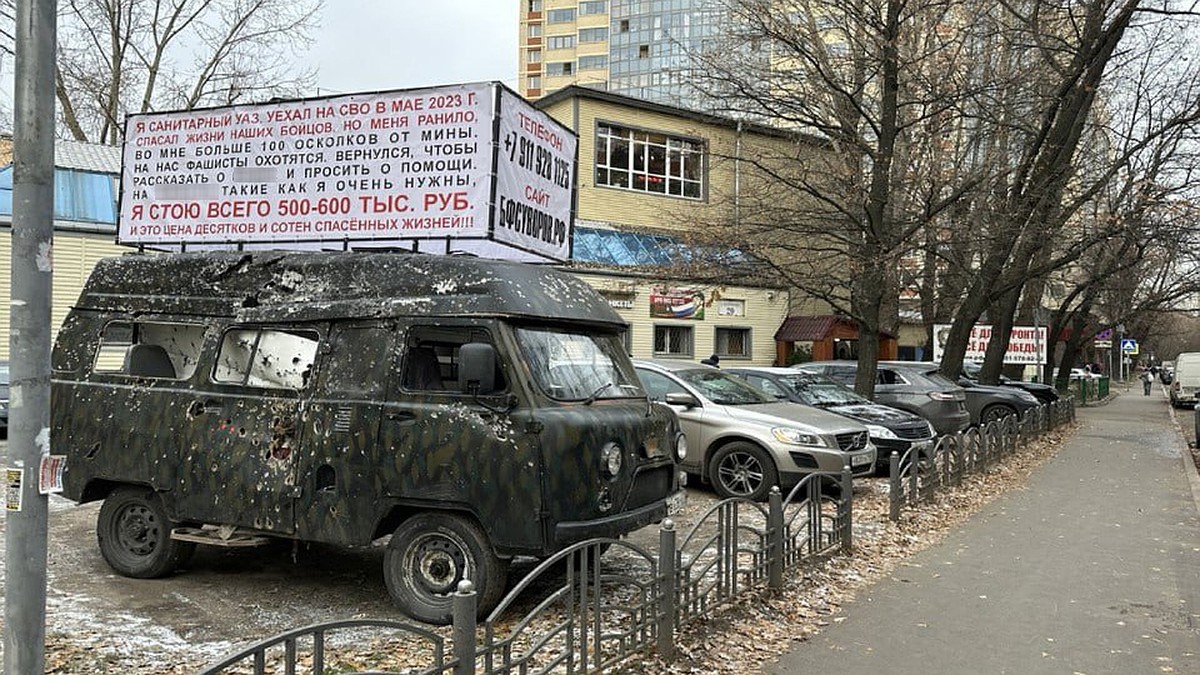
x=1189 y=466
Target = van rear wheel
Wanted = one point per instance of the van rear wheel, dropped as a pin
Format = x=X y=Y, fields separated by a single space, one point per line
x=134 y=533
x=429 y=554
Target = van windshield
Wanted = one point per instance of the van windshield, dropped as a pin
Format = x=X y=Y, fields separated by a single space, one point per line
x=578 y=367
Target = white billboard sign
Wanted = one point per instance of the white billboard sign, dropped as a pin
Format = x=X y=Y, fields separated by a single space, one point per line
x=464 y=167
x=1026 y=344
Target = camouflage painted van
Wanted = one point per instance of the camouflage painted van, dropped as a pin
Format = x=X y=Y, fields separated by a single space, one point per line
x=474 y=410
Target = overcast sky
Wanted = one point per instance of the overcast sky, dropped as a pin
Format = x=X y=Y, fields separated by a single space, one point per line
x=370 y=45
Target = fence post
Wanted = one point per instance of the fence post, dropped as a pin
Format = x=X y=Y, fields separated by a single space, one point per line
x=846 y=510
x=895 y=489
x=463 y=617
x=775 y=539
x=668 y=575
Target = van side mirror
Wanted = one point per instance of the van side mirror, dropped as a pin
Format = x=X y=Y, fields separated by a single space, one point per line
x=681 y=398
x=477 y=368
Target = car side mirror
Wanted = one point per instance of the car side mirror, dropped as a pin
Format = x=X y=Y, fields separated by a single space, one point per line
x=477 y=368
x=682 y=398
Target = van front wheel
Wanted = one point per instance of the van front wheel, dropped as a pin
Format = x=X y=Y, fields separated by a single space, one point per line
x=429 y=554
x=134 y=534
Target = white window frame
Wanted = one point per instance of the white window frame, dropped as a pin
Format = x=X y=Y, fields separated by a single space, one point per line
x=649 y=161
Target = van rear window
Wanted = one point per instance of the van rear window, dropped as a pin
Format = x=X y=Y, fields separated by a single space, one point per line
x=264 y=357
x=149 y=349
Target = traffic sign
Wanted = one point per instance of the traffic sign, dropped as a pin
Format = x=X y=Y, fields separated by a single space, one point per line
x=1129 y=346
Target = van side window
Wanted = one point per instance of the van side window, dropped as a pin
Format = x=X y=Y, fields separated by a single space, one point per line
x=430 y=360
x=355 y=360
x=265 y=357
x=149 y=349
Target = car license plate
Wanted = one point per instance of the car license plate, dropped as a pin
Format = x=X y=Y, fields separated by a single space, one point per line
x=676 y=503
x=922 y=445
x=859 y=460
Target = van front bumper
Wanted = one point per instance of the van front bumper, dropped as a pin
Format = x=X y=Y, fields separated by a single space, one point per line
x=610 y=527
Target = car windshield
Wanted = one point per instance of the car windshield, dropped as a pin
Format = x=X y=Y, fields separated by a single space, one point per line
x=3 y=373
x=577 y=366
x=939 y=379
x=818 y=390
x=971 y=369
x=724 y=388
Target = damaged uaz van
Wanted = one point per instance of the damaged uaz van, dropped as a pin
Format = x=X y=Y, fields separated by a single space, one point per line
x=474 y=410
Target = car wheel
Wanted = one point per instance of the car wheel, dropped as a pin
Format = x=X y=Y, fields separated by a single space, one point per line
x=429 y=554
x=134 y=533
x=743 y=470
x=995 y=413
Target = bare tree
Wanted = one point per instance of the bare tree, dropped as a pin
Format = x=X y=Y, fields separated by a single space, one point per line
x=118 y=57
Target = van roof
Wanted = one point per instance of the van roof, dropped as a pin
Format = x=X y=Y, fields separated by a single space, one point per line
x=312 y=286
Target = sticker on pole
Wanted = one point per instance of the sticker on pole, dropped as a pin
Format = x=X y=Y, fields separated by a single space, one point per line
x=12 y=488
x=50 y=474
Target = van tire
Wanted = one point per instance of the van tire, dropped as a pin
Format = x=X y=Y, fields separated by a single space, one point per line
x=744 y=470
x=429 y=554
x=134 y=533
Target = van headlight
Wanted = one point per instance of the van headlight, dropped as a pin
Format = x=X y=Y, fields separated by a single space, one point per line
x=610 y=460
x=681 y=446
x=796 y=437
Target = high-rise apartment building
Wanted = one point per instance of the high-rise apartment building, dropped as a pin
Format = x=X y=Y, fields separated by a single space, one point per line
x=637 y=48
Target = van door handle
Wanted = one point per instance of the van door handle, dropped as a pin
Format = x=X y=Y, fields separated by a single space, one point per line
x=198 y=408
x=403 y=416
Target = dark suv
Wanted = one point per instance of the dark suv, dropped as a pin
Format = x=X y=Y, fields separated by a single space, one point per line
x=909 y=385
x=891 y=429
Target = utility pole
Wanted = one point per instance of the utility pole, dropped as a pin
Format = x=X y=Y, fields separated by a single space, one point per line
x=26 y=509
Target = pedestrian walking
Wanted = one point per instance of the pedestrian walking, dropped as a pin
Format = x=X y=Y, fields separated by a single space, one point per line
x=1147 y=378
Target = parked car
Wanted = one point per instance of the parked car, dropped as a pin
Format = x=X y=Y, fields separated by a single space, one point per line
x=1185 y=387
x=988 y=403
x=909 y=385
x=1084 y=374
x=1166 y=372
x=891 y=429
x=1043 y=392
x=742 y=440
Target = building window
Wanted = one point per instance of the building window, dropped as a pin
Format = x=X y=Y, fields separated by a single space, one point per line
x=673 y=340
x=533 y=56
x=560 y=68
x=733 y=342
x=534 y=30
x=593 y=34
x=593 y=7
x=623 y=26
x=560 y=15
x=534 y=5
x=643 y=51
x=649 y=162
x=533 y=82
x=560 y=42
x=593 y=62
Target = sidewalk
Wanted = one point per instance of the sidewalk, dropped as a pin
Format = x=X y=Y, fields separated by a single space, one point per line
x=1093 y=569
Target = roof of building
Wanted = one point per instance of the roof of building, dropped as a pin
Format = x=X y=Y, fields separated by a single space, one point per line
x=577 y=91
x=813 y=328
x=87 y=157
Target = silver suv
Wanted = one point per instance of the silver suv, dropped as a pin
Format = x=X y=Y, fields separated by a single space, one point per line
x=743 y=440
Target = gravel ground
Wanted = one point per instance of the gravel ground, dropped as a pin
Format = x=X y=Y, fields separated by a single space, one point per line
x=98 y=622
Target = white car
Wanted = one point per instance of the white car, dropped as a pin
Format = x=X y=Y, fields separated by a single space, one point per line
x=1081 y=374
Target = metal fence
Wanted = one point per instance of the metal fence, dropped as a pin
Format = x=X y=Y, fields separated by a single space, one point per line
x=572 y=614
x=971 y=451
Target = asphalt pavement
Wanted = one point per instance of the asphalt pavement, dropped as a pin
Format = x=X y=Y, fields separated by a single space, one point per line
x=1093 y=568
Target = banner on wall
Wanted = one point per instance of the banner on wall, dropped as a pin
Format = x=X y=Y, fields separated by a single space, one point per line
x=677 y=303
